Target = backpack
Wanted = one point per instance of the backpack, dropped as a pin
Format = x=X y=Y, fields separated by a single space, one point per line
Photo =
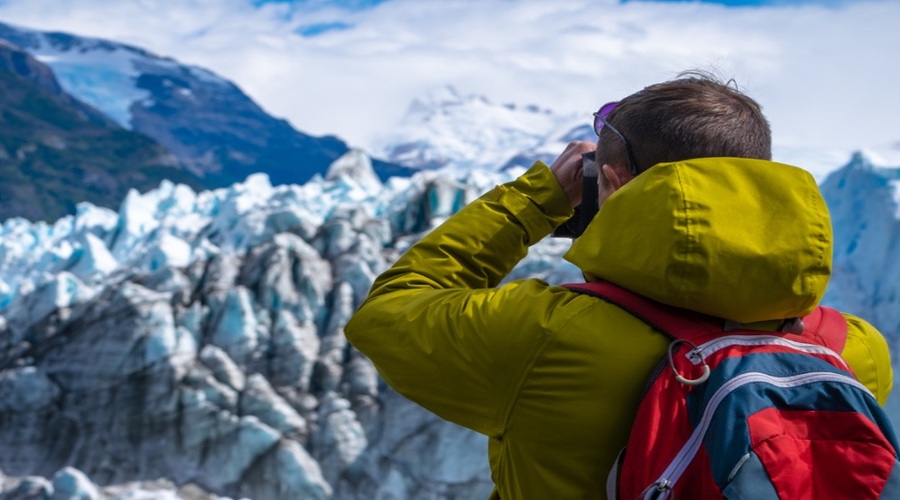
x=745 y=414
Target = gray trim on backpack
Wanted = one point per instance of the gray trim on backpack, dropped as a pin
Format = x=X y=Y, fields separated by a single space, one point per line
x=751 y=482
x=892 y=486
x=612 y=480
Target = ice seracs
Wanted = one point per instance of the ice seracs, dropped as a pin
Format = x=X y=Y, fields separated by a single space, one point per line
x=355 y=166
x=198 y=337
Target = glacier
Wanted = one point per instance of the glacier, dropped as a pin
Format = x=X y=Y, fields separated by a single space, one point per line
x=190 y=344
x=197 y=339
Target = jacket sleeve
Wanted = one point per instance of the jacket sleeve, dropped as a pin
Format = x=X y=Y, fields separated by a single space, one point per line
x=435 y=326
x=868 y=355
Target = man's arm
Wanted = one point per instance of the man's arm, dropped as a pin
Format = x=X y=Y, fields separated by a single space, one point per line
x=434 y=326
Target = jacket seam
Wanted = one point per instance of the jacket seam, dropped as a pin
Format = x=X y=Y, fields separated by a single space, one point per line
x=526 y=374
x=822 y=241
x=689 y=244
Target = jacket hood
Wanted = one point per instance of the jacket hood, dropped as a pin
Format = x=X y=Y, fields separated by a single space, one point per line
x=745 y=240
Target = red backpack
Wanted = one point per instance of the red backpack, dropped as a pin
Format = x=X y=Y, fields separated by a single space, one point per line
x=744 y=414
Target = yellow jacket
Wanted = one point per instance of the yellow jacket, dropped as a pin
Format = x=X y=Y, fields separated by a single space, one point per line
x=554 y=377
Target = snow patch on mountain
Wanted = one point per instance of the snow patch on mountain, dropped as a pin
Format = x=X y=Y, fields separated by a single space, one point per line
x=105 y=80
x=101 y=73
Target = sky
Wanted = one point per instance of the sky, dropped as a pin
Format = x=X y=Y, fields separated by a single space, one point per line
x=824 y=70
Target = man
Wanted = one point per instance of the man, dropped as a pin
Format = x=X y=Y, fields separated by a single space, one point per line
x=693 y=214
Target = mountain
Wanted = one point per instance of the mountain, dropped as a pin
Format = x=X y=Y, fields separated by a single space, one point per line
x=449 y=130
x=56 y=150
x=213 y=128
x=192 y=342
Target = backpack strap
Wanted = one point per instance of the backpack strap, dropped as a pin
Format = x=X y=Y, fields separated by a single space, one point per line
x=673 y=322
x=827 y=327
x=824 y=326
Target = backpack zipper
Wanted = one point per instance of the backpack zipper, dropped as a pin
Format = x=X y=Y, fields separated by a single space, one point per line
x=684 y=457
x=696 y=356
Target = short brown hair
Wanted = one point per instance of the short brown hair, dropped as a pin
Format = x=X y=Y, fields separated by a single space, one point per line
x=694 y=116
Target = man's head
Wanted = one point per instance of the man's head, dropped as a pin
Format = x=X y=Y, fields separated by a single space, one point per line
x=693 y=116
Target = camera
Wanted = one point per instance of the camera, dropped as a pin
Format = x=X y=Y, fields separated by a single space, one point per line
x=589 y=207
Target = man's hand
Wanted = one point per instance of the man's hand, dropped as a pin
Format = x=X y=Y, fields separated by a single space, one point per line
x=568 y=169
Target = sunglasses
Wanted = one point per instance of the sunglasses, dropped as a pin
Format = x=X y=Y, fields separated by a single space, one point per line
x=600 y=121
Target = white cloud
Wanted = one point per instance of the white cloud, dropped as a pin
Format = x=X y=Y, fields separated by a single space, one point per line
x=825 y=76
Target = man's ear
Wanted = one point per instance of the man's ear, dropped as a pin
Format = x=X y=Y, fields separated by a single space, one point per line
x=612 y=175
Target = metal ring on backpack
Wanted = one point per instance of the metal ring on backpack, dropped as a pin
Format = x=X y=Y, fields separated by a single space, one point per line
x=686 y=381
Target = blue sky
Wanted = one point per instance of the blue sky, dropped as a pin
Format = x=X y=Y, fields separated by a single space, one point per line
x=363 y=4
x=754 y=3
x=352 y=67
x=350 y=4
x=358 y=4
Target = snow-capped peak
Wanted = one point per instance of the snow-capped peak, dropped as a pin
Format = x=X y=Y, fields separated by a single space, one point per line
x=449 y=129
